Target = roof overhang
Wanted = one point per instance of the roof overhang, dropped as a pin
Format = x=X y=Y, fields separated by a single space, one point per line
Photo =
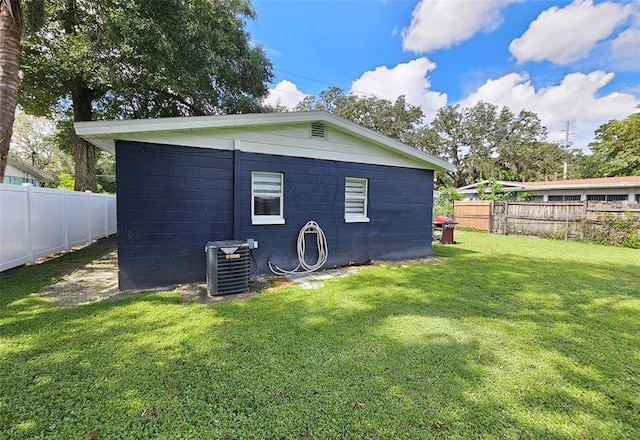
x=574 y=186
x=577 y=184
x=103 y=134
x=27 y=168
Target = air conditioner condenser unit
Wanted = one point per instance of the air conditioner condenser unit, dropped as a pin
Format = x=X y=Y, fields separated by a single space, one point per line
x=228 y=267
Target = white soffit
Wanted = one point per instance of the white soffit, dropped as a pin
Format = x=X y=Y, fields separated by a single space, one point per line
x=103 y=134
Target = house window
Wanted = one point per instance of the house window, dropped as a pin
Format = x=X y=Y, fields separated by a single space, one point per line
x=598 y=197
x=617 y=198
x=266 y=198
x=355 y=200
x=565 y=198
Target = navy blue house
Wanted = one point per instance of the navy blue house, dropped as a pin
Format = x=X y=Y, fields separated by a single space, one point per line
x=182 y=182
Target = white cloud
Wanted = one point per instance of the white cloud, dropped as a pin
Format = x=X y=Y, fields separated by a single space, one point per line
x=625 y=50
x=408 y=79
x=285 y=93
x=565 y=35
x=441 y=24
x=575 y=99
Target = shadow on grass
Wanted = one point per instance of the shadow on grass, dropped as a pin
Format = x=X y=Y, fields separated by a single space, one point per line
x=21 y=281
x=462 y=347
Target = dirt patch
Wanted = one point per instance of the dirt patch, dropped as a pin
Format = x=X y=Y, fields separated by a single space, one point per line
x=98 y=281
x=93 y=282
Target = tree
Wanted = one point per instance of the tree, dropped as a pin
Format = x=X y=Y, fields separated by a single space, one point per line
x=10 y=33
x=483 y=141
x=446 y=138
x=617 y=147
x=443 y=204
x=589 y=166
x=140 y=59
x=535 y=161
x=495 y=191
x=34 y=141
x=398 y=120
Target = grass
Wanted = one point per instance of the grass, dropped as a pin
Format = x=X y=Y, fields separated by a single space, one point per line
x=496 y=337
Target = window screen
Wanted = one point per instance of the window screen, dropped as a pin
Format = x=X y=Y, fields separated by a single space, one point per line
x=267 y=195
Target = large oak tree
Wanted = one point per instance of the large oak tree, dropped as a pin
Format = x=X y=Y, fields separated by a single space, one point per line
x=138 y=59
x=616 y=147
x=11 y=25
x=482 y=141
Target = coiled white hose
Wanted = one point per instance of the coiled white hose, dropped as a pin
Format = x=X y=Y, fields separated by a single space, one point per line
x=323 y=252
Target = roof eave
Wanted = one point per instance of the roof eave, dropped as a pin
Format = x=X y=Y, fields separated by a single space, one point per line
x=588 y=186
x=25 y=167
x=104 y=133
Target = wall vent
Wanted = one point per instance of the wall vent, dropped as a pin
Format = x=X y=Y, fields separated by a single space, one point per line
x=228 y=264
x=317 y=130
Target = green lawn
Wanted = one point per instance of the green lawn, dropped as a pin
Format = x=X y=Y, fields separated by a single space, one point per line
x=497 y=337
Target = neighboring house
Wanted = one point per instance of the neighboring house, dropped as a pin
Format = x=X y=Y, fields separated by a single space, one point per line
x=19 y=172
x=185 y=181
x=608 y=189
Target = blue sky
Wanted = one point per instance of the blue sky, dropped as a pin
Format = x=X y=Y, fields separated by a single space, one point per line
x=567 y=61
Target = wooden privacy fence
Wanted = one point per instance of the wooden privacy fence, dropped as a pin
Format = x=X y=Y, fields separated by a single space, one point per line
x=473 y=214
x=36 y=222
x=610 y=222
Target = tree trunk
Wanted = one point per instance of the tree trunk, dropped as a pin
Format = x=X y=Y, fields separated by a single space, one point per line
x=10 y=34
x=83 y=152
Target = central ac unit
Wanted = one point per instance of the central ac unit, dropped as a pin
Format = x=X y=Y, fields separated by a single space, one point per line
x=228 y=266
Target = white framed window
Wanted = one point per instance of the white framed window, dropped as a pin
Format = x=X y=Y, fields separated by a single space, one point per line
x=355 y=200
x=267 y=194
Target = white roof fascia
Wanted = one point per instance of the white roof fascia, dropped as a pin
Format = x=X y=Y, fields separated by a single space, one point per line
x=611 y=185
x=27 y=168
x=506 y=186
x=104 y=133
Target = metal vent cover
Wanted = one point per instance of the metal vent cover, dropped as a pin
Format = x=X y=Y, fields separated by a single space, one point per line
x=228 y=266
x=317 y=130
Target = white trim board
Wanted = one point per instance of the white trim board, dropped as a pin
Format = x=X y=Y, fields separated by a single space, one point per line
x=276 y=133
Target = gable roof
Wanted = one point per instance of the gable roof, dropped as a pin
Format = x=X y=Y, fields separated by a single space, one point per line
x=24 y=167
x=104 y=133
x=504 y=183
x=598 y=183
x=602 y=182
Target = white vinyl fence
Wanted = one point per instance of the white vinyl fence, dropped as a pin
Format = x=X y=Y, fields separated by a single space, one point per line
x=36 y=222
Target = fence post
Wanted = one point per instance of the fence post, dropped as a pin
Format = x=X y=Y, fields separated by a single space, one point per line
x=29 y=223
x=566 y=227
x=490 y=222
x=105 y=200
x=506 y=214
x=65 y=220
x=585 y=211
x=90 y=213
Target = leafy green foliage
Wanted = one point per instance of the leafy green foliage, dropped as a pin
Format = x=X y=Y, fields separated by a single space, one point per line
x=140 y=59
x=617 y=147
x=65 y=181
x=497 y=337
x=144 y=59
x=37 y=135
x=444 y=202
x=613 y=231
x=493 y=192
x=483 y=141
x=397 y=120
